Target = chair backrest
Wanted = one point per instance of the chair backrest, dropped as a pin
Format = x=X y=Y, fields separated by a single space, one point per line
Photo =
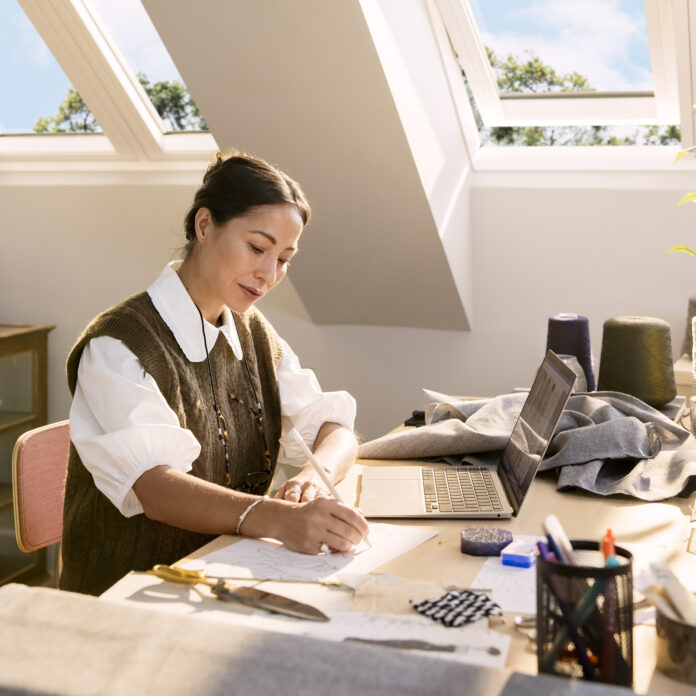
x=39 y=465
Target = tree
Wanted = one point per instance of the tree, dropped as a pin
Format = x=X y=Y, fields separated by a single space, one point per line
x=171 y=100
x=73 y=117
x=531 y=75
x=174 y=104
x=534 y=76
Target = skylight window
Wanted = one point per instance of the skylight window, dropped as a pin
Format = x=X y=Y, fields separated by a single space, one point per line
x=135 y=36
x=604 y=42
x=33 y=84
x=552 y=72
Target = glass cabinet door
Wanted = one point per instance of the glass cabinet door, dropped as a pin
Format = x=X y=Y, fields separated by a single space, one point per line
x=23 y=399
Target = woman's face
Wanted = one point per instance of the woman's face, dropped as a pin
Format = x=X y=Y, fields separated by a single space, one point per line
x=244 y=258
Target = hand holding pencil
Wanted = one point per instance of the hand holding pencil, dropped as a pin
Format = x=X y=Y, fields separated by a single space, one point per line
x=296 y=490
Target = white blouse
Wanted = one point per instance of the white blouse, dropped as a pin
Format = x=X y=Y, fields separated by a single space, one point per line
x=122 y=426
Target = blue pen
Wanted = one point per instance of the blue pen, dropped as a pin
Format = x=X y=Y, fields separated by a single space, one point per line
x=609 y=660
x=553 y=547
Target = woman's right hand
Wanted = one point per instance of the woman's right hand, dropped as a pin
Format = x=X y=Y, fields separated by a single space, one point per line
x=311 y=527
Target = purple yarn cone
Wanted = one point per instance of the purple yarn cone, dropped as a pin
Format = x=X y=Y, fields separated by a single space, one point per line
x=569 y=334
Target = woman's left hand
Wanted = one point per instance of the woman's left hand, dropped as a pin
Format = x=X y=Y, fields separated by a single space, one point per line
x=303 y=487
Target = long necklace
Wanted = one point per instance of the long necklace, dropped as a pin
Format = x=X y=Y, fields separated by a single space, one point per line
x=253 y=479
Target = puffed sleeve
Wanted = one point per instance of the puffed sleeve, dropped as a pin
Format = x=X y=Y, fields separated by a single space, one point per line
x=305 y=407
x=121 y=424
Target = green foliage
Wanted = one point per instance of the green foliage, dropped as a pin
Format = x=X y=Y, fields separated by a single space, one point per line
x=171 y=100
x=687 y=198
x=531 y=75
x=681 y=247
x=73 y=117
x=666 y=135
x=174 y=104
x=685 y=152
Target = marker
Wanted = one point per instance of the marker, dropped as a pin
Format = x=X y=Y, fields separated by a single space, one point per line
x=319 y=469
x=552 y=526
x=608 y=544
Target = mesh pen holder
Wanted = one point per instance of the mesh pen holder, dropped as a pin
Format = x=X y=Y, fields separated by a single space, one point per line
x=585 y=616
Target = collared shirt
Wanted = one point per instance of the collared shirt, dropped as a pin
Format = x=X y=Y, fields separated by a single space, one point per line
x=122 y=426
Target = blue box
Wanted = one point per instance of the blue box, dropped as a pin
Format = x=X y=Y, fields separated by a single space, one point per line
x=521 y=554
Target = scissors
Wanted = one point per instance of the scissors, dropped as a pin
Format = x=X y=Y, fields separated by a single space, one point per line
x=249 y=596
x=202 y=576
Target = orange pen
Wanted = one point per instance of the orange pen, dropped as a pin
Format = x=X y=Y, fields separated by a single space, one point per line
x=608 y=544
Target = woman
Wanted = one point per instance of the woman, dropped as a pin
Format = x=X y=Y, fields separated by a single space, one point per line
x=182 y=394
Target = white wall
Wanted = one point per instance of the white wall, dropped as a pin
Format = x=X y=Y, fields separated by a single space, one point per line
x=599 y=252
x=68 y=252
x=302 y=84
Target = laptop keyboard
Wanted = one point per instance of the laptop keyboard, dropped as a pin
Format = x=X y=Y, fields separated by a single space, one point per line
x=459 y=489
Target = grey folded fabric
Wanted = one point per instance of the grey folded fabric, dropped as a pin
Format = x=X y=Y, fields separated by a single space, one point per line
x=606 y=442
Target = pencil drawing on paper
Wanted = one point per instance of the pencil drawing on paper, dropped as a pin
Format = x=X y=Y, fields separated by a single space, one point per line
x=268 y=559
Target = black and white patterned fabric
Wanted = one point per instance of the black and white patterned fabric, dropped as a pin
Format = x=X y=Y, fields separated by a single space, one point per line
x=458 y=607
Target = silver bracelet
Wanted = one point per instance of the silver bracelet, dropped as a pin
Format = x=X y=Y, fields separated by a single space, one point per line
x=246 y=512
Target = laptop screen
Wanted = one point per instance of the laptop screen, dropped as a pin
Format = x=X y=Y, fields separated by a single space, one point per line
x=535 y=426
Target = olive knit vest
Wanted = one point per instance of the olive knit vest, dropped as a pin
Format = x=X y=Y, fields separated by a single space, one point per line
x=100 y=545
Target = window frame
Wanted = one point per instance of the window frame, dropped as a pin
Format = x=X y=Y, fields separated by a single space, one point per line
x=668 y=23
x=131 y=128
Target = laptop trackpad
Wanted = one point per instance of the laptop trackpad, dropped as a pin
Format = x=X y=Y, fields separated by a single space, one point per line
x=386 y=497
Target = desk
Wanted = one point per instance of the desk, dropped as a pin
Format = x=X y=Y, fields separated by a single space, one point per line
x=584 y=516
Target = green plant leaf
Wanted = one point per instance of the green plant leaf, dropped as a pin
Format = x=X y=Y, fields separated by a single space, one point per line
x=680 y=247
x=684 y=153
x=687 y=198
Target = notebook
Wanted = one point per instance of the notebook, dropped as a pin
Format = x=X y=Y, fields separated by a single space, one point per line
x=469 y=492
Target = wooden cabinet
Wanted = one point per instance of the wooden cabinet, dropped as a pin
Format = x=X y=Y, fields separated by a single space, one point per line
x=23 y=406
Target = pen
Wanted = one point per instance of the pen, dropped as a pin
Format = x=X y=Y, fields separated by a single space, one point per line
x=554 y=548
x=609 y=647
x=319 y=469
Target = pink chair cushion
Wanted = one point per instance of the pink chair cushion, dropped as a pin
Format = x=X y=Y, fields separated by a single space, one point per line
x=40 y=463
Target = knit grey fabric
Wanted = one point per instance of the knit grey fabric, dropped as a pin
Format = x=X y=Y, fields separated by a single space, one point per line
x=64 y=643
x=605 y=442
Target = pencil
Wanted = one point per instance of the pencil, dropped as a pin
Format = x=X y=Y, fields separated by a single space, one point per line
x=319 y=469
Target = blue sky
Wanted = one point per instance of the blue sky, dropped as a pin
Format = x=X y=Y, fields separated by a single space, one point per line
x=604 y=40
x=32 y=83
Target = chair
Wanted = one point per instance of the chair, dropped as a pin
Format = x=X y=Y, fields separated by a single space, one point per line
x=39 y=466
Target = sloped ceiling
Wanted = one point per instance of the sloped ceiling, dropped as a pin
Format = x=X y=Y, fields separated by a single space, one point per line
x=300 y=83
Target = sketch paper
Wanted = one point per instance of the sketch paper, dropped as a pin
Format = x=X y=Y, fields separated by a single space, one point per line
x=419 y=634
x=514 y=589
x=266 y=558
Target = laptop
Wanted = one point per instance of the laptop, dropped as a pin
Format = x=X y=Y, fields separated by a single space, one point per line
x=470 y=492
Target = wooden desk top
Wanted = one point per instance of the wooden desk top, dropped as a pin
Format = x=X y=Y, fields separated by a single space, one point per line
x=583 y=515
